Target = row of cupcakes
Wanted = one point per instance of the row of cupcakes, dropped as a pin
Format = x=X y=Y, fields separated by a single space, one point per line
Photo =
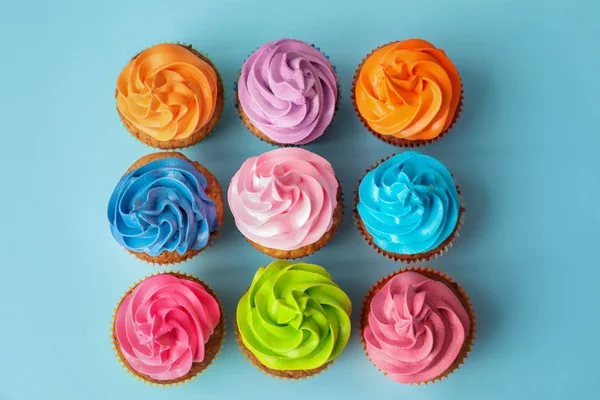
x=407 y=93
x=416 y=325
x=287 y=202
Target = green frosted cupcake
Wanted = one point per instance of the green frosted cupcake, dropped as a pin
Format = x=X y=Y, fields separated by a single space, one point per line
x=293 y=321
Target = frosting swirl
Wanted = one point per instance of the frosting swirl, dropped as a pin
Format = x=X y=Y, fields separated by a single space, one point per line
x=284 y=199
x=416 y=328
x=167 y=92
x=409 y=203
x=294 y=317
x=162 y=206
x=163 y=325
x=288 y=90
x=408 y=89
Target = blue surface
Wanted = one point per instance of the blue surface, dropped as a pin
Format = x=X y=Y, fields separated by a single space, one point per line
x=525 y=153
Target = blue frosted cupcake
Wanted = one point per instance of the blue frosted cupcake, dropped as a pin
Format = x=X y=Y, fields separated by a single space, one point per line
x=166 y=209
x=408 y=207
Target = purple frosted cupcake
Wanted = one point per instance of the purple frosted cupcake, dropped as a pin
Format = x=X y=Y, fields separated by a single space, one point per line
x=287 y=92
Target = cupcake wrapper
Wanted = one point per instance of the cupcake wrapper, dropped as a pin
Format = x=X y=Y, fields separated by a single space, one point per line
x=408 y=258
x=171 y=257
x=300 y=251
x=400 y=142
x=219 y=108
x=255 y=131
x=176 y=382
x=155 y=261
x=289 y=376
x=432 y=274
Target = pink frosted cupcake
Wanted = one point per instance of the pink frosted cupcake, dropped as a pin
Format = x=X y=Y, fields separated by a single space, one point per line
x=168 y=328
x=417 y=325
x=287 y=92
x=286 y=202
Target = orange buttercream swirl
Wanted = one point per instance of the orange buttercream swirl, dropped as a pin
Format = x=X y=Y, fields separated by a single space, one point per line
x=167 y=92
x=409 y=90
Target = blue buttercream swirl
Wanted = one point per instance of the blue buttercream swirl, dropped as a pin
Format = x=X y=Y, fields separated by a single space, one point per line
x=409 y=203
x=162 y=206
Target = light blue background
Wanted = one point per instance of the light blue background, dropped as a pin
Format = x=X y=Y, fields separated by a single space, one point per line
x=525 y=153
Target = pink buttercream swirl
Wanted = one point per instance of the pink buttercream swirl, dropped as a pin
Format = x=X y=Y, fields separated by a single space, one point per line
x=416 y=328
x=284 y=199
x=288 y=90
x=163 y=325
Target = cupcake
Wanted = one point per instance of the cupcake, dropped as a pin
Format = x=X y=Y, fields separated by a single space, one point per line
x=293 y=321
x=287 y=92
x=408 y=207
x=168 y=328
x=407 y=93
x=169 y=96
x=286 y=202
x=166 y=208
x=417 y=325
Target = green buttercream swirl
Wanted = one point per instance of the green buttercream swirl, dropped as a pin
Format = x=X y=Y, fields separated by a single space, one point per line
x=294 y=317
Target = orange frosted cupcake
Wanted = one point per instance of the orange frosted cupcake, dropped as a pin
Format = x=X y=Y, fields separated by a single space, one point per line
x=407 y=93
x=169 y=96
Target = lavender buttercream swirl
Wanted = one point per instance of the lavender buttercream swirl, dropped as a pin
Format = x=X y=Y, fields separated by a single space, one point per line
x=288 y=90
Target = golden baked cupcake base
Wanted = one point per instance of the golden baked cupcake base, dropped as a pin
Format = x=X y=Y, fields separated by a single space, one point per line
x=313 y=247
